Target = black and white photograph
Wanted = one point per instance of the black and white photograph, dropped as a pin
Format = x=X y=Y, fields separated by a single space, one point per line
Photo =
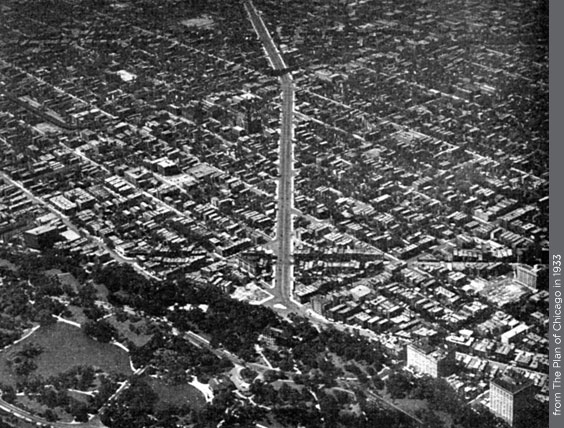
x=280 y=214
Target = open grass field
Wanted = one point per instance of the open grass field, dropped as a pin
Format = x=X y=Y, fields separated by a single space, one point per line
x=176 y=395
x=64 y=347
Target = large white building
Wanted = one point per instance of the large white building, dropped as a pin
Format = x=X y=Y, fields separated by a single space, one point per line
x=425 y=359
x=526 y=275
x=509 y=395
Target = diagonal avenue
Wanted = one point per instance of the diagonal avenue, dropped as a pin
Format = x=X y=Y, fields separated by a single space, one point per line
x=284 y=226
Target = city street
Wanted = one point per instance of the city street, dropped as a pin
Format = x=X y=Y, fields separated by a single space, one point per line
x=284 y=226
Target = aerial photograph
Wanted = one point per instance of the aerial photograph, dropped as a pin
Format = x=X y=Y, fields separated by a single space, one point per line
x=274 y=214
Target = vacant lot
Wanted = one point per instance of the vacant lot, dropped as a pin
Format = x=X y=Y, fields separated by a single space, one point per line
x=176 y=395
x=64 y=347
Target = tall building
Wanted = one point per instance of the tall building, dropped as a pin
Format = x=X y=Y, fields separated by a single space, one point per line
x=526 y=275
x=426 y=359
x=509 y=395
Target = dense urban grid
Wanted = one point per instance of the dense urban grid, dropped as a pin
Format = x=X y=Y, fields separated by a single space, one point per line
x=278 y=213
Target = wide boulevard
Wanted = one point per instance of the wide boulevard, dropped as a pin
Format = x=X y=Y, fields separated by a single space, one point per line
x=284 y=226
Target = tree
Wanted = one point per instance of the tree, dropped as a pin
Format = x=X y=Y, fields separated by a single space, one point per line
x=329 y=407
x=133 y=407
x=139 y=396
x=8 y=393
x=87 y=376
x=380 y=416
x=45 y=317
x=533 y=415
x=398 y=384
x=30 y=350
x=100 y=330
x=94 y=312
x=25 y=367
x=478 y=416
x=378 y=382
x=248 y=374
x=49 y=397
x=86 y=295
x=50 y=415
x=429 y=419
x=105 y=390
x=79 y=410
